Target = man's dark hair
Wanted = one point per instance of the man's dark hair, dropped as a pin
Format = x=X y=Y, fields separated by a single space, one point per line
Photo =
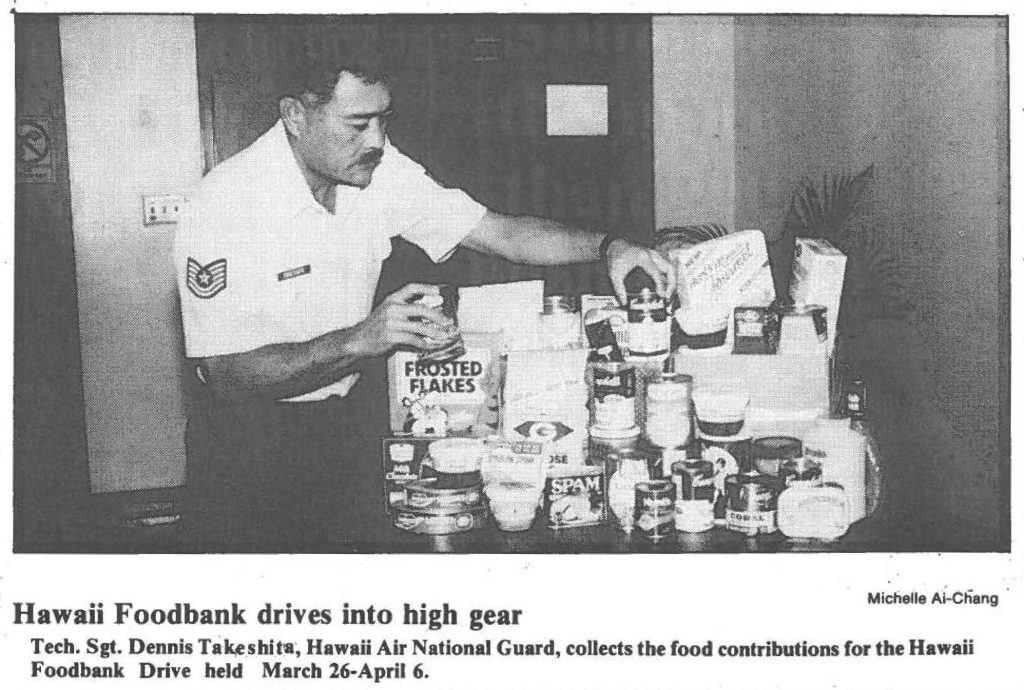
x=313 y=83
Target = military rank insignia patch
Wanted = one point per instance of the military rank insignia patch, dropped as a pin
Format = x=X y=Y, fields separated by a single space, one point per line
x=206 y=281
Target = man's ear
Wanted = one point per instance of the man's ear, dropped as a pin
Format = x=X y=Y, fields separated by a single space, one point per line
x=293 y=115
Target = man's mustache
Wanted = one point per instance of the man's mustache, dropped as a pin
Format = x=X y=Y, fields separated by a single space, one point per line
x=371 y=157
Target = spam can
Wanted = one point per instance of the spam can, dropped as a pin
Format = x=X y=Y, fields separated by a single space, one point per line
x=655 y=517
x=575 y=498
x=751 y=503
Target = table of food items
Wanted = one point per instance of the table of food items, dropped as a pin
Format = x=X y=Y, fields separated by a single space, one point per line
x=670 y=419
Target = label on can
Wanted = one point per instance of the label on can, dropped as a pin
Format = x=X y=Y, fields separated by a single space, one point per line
x=694 y=516
x=668 y=420
x=448 y=304
x=694 y=480
x=655 y=509
x=647 y=327
x=425 y=496
x=725 y=457
x=603 y=449
x=751 y=504
x=420 y=522
x=614 y=396
x=756 y=331
x=575 y=500
x=803 y=470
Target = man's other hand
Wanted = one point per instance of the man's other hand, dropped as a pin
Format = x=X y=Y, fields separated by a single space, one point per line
x=624 y=256
x=396 y=322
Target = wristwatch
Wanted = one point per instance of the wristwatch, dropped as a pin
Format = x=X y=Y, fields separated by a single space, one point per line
x=605 y=243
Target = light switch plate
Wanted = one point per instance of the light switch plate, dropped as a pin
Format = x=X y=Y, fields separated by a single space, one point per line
x=165 y=208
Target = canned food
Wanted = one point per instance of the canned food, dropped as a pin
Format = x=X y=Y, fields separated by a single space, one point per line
x=613 y=394
x=752 y=501
x=769 y=452
x=575 y=499
x=605 y=443
x=420 y=522
x=448 y=304
x=694 y=480
x=695 y=495
x=669 y=411
x=655 y=509
x=647 y=326
x=756 y=331
x=694 y=516
x=727 y=456
x=802 y=470
x=425 y=495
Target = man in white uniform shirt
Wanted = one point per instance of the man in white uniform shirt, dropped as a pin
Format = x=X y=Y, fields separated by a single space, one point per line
x=278 y=260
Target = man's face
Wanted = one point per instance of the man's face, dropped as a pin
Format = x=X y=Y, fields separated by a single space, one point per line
x=342 y=140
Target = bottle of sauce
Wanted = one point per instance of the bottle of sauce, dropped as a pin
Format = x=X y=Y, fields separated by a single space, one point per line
x=848 y=454
x=856 y=409
x=631 y=468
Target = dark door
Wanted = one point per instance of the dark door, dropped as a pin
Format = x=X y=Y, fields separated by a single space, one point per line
x=51 y=464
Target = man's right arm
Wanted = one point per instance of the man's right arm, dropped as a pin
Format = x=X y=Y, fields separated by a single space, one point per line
x=284 y=370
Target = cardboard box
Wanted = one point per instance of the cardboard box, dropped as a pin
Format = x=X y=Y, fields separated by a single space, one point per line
x=787 y=391
x=464 y=388
x=545 y=401
x=575 y=498
x=723 y=273
x=819 y=269
x=402 y=460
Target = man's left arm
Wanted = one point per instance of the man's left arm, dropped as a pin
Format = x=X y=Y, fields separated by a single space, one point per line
x=543 y=242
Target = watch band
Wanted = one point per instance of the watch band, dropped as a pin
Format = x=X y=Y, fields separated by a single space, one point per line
x=602 y=250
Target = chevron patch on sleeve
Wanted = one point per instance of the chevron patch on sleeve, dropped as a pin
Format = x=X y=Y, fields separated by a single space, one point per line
x=206 y=281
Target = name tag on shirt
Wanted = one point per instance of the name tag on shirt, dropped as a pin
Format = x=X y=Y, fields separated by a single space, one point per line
x=294 y=272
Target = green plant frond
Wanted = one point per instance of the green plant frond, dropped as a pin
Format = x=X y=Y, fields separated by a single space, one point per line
x=693 y=234
x=826 y=213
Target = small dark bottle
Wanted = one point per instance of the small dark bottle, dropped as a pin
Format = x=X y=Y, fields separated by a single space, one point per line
x=857 y=410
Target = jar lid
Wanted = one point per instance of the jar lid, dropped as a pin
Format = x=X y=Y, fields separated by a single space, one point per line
x=604 y=432
x=777 y=448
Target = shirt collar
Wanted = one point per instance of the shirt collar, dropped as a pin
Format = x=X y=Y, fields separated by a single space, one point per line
x=291 y=186
x=292 y=190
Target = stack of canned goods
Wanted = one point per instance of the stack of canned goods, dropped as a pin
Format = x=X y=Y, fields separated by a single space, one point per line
x=435 y=510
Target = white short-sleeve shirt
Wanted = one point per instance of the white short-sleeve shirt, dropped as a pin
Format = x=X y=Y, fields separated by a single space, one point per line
x=259 y=261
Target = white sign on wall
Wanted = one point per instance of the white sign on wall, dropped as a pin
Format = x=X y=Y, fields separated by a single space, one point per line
x=577 y=110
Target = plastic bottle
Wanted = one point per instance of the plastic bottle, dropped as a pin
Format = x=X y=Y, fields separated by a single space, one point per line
x=630 y=469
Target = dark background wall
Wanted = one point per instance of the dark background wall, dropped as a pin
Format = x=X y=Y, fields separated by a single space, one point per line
x=924 y=100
